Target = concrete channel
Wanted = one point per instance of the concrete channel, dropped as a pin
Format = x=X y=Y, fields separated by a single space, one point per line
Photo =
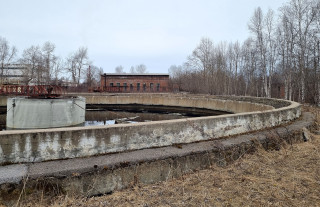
x=100 y=159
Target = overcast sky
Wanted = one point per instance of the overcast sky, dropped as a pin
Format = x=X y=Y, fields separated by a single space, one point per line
x=157 y=33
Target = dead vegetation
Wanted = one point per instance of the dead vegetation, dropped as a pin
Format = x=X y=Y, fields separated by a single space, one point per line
x=287 y=177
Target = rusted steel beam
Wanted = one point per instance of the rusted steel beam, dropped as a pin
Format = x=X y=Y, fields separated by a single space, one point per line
x=45 y=91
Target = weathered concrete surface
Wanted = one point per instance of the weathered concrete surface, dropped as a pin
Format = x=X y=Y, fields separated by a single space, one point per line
x=12 y=173
x=209 y=102
x=107 y=173
x=223 y=103
x=61 y=143
x=3 y=100
x=31 y=113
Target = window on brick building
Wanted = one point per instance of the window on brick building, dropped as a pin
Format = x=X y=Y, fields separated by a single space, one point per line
x=151 y=86
x=144 y=87
x=125 y=86
x=158 y=86
x=138 y=86
x=111 y=84
x=131 y=87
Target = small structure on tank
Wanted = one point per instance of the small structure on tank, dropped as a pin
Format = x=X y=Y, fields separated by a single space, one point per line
x=42 y=106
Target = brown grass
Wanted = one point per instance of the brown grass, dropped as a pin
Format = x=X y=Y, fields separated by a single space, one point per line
x=288 y=177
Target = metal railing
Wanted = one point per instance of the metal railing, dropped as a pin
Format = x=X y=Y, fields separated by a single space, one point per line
x=45 y=91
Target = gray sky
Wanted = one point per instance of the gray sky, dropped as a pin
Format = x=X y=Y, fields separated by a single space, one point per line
x=157 y=33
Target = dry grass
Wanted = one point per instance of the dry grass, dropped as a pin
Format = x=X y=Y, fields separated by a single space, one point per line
x=288 y=177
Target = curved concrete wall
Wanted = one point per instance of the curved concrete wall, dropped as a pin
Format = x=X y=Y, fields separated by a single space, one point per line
x=30 y=113
x=208 y=102
x=61 y=143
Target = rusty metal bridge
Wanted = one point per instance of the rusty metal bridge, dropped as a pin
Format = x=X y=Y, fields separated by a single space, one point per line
x=36 y=91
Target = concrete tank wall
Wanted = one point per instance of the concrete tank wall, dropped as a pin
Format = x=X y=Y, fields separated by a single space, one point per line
x=29 y=113
x=207 y=102
x=61 y=143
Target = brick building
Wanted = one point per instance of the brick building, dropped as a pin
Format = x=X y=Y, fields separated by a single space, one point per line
x=134 y=83
x=13 y=73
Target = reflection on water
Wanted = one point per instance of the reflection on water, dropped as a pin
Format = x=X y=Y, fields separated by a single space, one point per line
x=99 y=123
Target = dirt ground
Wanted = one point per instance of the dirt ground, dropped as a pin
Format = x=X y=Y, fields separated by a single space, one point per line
x=288 y=177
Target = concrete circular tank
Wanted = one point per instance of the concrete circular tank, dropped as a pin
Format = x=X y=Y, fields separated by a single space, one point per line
x=31 y=113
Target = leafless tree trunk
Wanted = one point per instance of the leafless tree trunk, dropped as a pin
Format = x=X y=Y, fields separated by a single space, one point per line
x=256 y=27
x=32 y=56
x=301 y=14
x=49 y=60
x=7 y=55
x=57 y=69
x=201 y=60
x=132 y=70
x=141 y=68
x=77 y=64
x=271 y=48
x=119 y=69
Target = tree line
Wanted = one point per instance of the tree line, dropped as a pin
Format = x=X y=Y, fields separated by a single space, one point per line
x=282 y=55
x=45 y=67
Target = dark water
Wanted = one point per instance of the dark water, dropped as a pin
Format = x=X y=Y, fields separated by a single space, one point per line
x=121 y=114
x=94 y=118
x=115 y=114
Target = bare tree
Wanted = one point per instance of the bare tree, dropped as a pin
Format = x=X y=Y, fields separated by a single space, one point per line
x=271 y=48
x=176 y=76
x=32 y=56
x=43 y=64
x=233 y=62
x=201 y=60
x=256 y=26
x=77 y=64
x=284 y=53
x=119 y=69
x=7 y=55
x=302 y=15
x=249 y=67
x=218 y=81
x=141 y=68
x=56 y=70
x=132 y=70
x=285 y=40
x=93 y=76
x=97 y=74
x=49 y=59
x=237 y=59
x=201 y=57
